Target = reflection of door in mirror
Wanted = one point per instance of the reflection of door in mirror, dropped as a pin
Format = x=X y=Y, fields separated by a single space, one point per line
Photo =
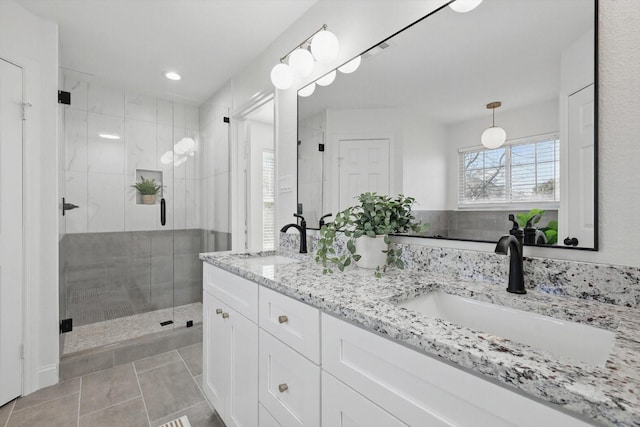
x=581 y=168
x=259 y=178
x=364 y=167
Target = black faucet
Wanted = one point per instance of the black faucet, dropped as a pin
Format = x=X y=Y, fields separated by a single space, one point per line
x=532 y=234
x=513 y=243
x=302 y=228
x=321 y=223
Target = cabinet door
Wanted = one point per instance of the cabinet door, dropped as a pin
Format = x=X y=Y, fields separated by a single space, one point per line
x=241 y=408
x=215 y=352
x=343 y=407
x=289 y=384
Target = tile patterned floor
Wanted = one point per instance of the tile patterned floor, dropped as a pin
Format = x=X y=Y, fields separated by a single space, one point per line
x=146 y=393
x=124 y=328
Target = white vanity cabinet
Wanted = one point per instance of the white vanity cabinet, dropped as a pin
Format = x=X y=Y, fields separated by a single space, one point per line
x=289 y=360
x=421 y=391
x=273 y=361
x=230 y=347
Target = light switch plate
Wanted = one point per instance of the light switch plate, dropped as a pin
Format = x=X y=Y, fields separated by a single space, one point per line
x=285 y=184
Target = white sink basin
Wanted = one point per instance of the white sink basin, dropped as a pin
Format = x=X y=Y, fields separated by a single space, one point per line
x=560 y=337
x=270 y=260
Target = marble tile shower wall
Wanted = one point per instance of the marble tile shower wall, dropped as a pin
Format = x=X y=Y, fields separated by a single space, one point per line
x=619 y=285
x=99 y=172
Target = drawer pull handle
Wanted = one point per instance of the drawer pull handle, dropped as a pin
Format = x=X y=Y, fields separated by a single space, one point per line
x=282 y=388
x=283 y=319
x=218 y=311
x=225 y=315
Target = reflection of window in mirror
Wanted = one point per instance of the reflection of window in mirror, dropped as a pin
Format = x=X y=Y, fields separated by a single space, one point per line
x=268 y=200
x=518 y=174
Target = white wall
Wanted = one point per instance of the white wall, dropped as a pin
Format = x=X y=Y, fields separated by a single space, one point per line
x=100 y=172
x=361 y=24
x=32 y=43
x=518 y=123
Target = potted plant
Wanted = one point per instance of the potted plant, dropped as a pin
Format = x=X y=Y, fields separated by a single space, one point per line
x=533 y=217
x=368 y=225
x=147 y=189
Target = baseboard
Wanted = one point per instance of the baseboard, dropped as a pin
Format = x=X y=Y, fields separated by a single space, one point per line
x=47 y=375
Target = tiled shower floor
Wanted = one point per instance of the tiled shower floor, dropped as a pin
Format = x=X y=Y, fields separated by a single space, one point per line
x=115 y=330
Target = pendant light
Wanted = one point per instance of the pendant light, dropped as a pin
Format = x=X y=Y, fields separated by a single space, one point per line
x=282 y=76
x=494 y=136
x=301 y=62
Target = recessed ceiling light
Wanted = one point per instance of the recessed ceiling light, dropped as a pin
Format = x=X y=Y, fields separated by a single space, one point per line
x=109 y=136
x=172 y=75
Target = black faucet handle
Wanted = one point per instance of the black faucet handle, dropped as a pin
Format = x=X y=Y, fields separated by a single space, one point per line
x=303 y=222
x=323 y=217
x=533 y=220
x=516 y=226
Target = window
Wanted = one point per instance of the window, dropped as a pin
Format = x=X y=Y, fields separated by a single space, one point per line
x=268 y=200
x=526 y=171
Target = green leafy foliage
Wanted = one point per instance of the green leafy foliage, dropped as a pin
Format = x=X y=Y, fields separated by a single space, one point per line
x=550 y=230
x=523 y=218
x=375 y=215
x=146 y=186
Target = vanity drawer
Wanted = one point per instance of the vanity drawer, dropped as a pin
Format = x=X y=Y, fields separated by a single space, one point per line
x=239 y=293
x=266 y=419
x=420 y=390
x=289 y=384
x=291 y=321
x=342 y=407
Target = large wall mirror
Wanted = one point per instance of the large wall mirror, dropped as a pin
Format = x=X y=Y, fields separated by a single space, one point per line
x=410 y=120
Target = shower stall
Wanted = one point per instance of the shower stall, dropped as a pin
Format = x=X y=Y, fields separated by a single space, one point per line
x=129 y=264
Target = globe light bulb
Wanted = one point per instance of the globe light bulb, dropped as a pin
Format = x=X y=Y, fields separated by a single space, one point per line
x=325 y=47
x=351 y=66
x=282 y=76
x=463 y=6
x=301 y=62
x=493 y=137
x=307 y=90
x=327 y=79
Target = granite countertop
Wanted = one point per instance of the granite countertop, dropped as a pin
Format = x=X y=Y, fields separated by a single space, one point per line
x=609 y=394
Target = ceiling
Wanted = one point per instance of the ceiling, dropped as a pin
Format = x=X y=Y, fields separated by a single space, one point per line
x=132 y=43
x=450 y=65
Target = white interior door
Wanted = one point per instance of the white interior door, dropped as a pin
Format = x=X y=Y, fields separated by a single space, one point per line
x=11 y=275
x=581 y=167
x=364 y=167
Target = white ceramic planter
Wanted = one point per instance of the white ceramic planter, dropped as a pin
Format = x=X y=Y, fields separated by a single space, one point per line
x=370 y=249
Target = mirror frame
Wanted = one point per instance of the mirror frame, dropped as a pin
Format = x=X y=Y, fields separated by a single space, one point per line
x=596 y=131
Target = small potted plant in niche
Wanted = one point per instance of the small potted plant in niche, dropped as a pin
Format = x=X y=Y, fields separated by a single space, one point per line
x=368 y=225
x=148 y=188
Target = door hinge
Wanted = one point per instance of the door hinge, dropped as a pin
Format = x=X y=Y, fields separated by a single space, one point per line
x=21 y=351
x=66 y=325
x=226 y=120
x=320 y=147
x=25 y=105
x=64 y=97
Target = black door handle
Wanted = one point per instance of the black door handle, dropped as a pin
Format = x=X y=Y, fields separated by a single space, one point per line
x=163 y=212
x=571 y=241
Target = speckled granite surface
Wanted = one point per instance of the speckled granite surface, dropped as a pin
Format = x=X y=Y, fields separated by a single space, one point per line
x=608 y=394
x=598 y=282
